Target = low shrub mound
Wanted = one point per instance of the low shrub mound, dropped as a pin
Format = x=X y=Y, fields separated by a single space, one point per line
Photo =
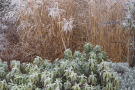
x=75 y=72
x=126 y=75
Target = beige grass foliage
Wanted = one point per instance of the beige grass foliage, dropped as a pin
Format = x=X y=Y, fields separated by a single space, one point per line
x=48 y=27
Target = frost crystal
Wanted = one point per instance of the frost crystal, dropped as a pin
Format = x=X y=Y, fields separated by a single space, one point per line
x=67 y=25
x=55 y=12
x=11 y=16
x=126 y=75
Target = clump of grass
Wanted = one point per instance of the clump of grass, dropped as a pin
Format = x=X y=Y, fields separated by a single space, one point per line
x=102 y=25
x=47 y=27
x=45 y=31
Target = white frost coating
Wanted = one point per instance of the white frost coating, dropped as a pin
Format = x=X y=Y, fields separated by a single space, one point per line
x=67 y=25
x=18 y=5
x=11 y=16
x=126 y=75
x=2 y=27
x=26 y=6
x=54 y=11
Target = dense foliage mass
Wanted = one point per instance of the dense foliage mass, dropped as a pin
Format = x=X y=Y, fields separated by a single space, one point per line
x=126 y=75
x=75 y=72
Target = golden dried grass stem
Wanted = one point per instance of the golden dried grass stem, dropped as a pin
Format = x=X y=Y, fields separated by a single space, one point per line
x=45 y=37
